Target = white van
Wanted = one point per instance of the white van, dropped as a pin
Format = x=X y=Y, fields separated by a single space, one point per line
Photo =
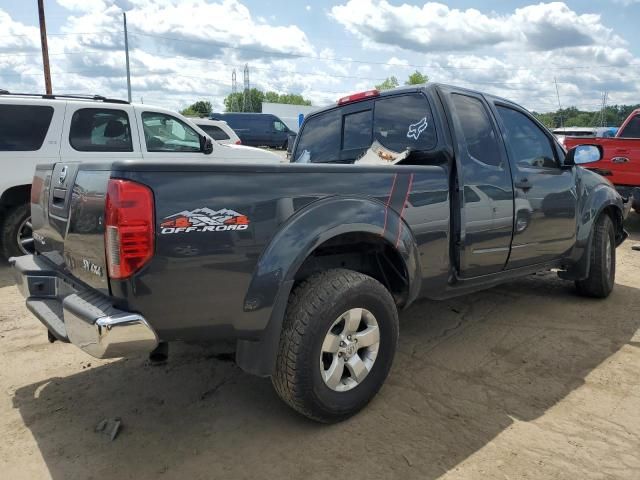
x=47 y=129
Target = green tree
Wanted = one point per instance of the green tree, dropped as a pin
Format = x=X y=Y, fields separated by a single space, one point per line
x=417 y=78
x=388 y=84
x=288 y=98
x=256 y=96
x=202 y=108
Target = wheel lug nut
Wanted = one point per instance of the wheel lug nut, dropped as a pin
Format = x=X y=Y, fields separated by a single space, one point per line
x=339 y=354
x=349 y=337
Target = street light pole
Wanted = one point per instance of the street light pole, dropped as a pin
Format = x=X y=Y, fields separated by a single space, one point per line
x=126 y=53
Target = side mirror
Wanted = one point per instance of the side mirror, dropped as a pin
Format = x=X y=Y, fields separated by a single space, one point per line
x=582 y=154
x=206 y=146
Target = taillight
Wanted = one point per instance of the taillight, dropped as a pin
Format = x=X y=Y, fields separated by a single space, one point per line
x=238 y=142
x=129 y=227
x=358 y=96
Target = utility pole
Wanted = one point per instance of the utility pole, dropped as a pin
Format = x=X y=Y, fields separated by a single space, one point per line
x=559 y=105
x=45 y=48
x=247 y=105
x=234 y=92
x=126 y=54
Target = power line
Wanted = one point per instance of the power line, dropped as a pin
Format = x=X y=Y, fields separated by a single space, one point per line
x=367 y=62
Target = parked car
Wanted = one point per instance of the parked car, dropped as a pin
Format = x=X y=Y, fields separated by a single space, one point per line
x=305 y=266
x=257 y=129
x=620 y=161
x=45 y=129
x=218 y=130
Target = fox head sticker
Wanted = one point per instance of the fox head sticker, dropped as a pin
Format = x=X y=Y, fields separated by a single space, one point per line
x=415 y=129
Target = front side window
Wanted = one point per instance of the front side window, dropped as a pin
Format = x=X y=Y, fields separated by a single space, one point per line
x=479 y=135
x=404 y=121
x=100 y=130
x=23 y=128
x=632 y=129
x=278 y=126
x=527 y=143
x=214 y=132
x=164 y=133
x=320 y=139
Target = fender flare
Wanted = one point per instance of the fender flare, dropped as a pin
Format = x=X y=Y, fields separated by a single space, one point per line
x=268 y=293
x=599 y=199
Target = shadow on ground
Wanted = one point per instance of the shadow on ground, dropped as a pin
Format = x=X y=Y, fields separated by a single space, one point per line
x=465 y=371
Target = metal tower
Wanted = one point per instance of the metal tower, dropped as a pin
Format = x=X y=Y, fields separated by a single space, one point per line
x=246 y=97
x=234 y=107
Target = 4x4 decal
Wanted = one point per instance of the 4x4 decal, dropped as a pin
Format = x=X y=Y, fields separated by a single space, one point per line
x=204 y=220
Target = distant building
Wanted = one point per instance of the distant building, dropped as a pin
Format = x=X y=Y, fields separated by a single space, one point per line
x=292 y=115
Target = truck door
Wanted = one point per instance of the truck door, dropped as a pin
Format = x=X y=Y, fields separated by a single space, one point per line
x=486 y=214
x=545 y=196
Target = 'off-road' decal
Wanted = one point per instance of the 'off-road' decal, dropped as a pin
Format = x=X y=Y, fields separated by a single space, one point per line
x=204 y=220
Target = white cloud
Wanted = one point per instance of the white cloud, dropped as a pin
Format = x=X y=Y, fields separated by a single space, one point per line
x=436 y=27
x=182 y=51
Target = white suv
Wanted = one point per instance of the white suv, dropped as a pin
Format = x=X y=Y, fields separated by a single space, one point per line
x=46 y=129
x=218 y=130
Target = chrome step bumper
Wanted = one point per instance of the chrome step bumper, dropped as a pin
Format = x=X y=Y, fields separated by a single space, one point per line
x=79 y=315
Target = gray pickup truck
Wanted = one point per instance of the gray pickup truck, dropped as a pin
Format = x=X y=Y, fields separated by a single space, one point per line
x=306 y=265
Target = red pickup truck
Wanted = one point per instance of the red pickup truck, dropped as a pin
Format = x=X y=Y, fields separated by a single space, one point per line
x=621 y=157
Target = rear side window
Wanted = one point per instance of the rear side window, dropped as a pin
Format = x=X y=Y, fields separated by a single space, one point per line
x=214 y=132
x=357 y=130
x=100 y=130
x=23 y=128
x=320 y=139
x=404 y=121
x=632 y=130
x=479 y=135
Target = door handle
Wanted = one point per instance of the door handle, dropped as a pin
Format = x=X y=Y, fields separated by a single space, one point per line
x=523 y=184
x=619 y=160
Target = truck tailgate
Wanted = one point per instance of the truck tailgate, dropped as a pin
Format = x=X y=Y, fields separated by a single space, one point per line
x=67 y=206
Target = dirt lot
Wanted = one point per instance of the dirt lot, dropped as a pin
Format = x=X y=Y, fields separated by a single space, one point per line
x=526 y=380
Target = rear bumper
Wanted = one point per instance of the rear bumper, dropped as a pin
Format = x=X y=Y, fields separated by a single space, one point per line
x=80 y=315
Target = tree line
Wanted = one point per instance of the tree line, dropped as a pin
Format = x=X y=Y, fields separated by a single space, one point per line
x=614 y=115
x=234 y=102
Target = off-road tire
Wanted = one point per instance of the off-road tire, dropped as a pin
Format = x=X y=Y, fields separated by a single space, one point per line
x=9 y=234
x=601 y=279
x=313 y=307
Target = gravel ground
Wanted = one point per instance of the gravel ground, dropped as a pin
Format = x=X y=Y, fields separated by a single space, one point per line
x=525 y=380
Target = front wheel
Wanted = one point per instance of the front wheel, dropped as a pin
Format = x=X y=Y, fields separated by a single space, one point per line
x=602 y=268
x=337 y=344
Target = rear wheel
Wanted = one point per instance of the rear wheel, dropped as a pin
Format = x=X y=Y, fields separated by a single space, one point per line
x=337 y=344
x=17 y=232
x=602 y=268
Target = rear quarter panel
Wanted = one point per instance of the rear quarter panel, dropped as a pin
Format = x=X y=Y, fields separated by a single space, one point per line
x=196 y=285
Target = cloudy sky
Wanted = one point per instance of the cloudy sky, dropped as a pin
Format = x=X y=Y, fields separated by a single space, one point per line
x=185 y=50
